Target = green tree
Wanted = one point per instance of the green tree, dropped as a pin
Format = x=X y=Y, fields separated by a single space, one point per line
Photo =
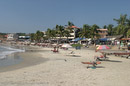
x=110 y=29
x=128 y=27
x=121 y=28
x=121 y=20
x=105 y=27
x=69 y=27
x=128 y=22
x=85 y=31
x=53 y=33
x=70 y=23
x=128 y=33
x=49 y=33
x=39 y=36
x=59 y=32
x=94 y=32
x=66 y=34
x=33 y=37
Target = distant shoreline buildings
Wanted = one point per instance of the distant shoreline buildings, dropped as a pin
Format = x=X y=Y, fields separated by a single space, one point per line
x=15 y=37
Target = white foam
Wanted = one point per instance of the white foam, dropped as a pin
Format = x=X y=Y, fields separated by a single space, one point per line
x=9 y=50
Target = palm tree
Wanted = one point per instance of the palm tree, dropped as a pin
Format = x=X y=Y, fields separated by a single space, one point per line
x=70 y=23
x=121 y=28
x=121 y=20
x=59 y=31
x=128 y=27
x=94 y=31
x=33 y=37
x=128 y=33
x=66 y=34
x=114 y=31
x=49 y=34
x=110 y=29
x=53 y=33
x=69 y=26
x=85 y=31
x=39 y=36
x=128 y=22
x=105 y=27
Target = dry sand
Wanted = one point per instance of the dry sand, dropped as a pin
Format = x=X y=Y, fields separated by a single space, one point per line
x=63 y=69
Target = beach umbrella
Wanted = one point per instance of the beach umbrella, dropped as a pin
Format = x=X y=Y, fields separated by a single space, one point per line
x=101 y=47
x=66 y=45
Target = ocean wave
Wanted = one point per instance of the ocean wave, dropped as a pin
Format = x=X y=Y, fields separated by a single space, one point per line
x=8 y=50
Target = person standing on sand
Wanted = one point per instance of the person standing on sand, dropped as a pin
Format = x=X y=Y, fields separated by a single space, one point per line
x=57 y=48
x=118 y=44
x=54 y=48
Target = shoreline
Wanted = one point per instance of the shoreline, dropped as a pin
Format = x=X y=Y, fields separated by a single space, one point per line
x=27 y=61
x=28 y=58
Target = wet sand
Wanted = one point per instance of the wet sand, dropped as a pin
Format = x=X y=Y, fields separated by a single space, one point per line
x=23 y=59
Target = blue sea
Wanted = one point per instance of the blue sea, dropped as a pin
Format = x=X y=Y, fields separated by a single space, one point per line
x=8 y=55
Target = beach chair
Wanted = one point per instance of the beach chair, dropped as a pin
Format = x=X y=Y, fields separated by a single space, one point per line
x=101 y=58
x=94 y=63
x=127 y=54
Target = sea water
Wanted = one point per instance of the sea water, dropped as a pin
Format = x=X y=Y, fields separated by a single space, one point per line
x=9 y=56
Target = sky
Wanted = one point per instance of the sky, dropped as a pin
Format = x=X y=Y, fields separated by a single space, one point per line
x=28 y=16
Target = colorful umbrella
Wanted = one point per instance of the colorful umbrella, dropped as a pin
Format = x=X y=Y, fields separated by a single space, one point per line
x=101 y=47
x=66 y=45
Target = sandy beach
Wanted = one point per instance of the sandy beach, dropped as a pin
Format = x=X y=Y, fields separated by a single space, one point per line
x=64 y=43
x=63 y=69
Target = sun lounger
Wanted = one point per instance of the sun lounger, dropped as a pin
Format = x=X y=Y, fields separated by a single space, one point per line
x=101 y=58
x=127 y=54
x=92 y=63
x=121 y=54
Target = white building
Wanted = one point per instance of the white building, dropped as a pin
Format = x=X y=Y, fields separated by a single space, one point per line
x=103 y=32
x=72 y=33
x=12 y=37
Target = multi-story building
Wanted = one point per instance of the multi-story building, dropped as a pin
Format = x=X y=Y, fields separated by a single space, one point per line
x=103 y=32
x=72 y=30
x=73 y=33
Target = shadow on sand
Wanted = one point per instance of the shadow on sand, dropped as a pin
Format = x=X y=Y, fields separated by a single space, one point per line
x=107 y=60
x=74 y=55
x=113 y=61
x=100 y=67
x=95 y=67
